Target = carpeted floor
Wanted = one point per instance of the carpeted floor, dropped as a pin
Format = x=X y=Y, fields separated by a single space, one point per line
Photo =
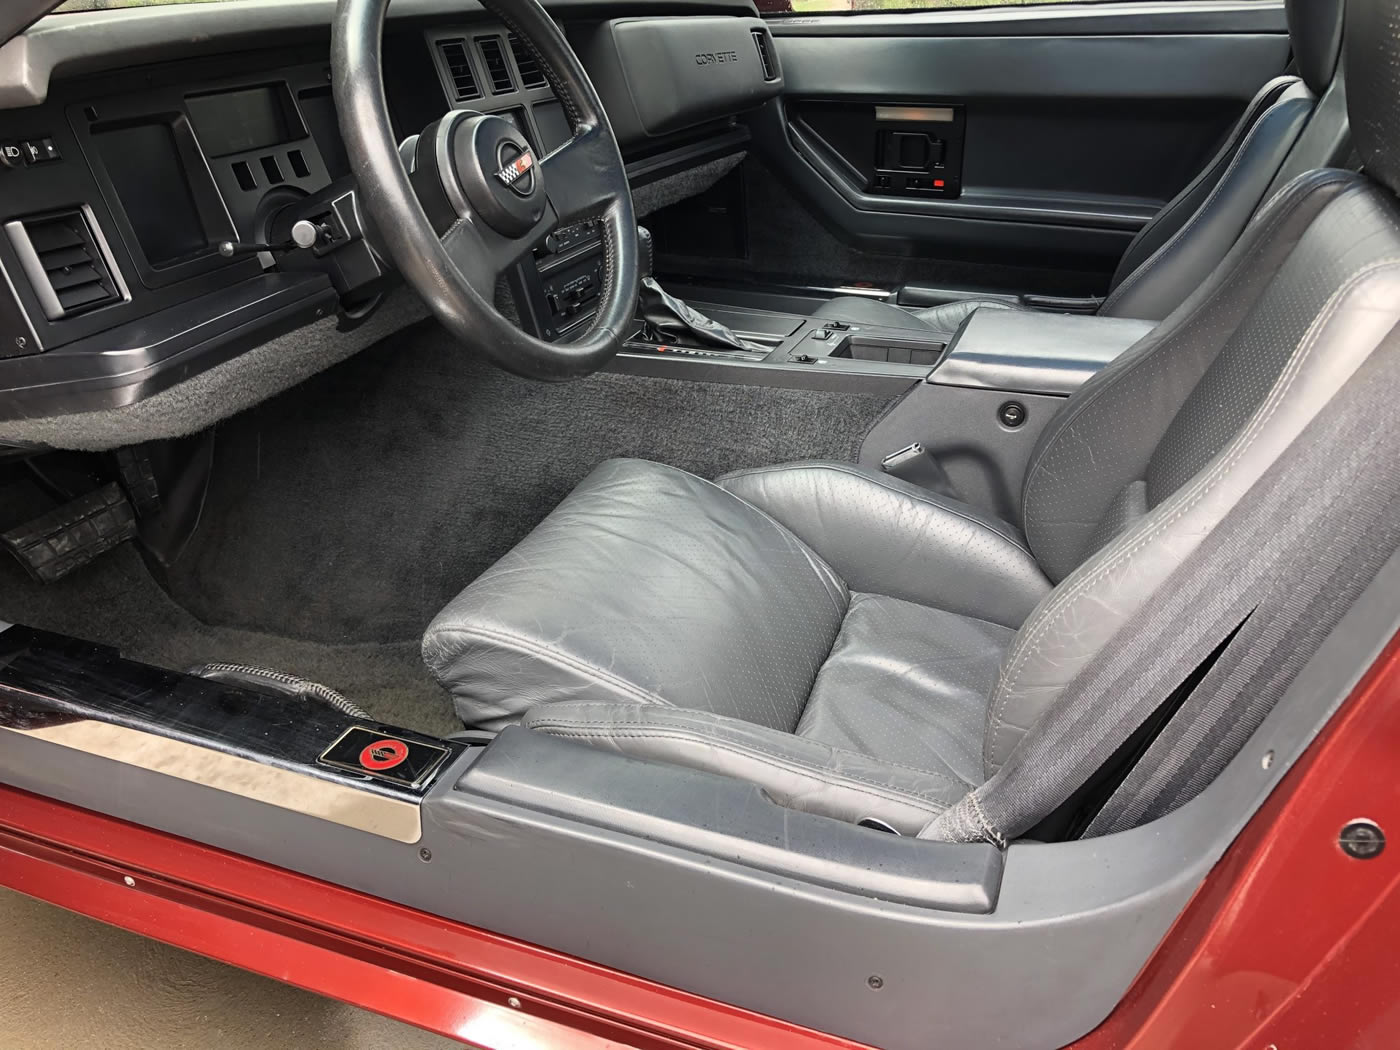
x=116 y=602
x=342 y=515
x=352 y=508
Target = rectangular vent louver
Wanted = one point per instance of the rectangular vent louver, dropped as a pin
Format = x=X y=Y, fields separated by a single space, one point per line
x=459 y=68
x=496 y=67
x=764 y=44
x=64 y=263
x=531 y=76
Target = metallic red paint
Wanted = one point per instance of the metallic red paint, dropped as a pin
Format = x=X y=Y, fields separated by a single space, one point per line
x=1290 y=943
x=1286 y=945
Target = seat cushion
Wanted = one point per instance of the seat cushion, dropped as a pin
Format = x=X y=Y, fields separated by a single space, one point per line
x=886 y=536
x=646 y=585
x=664 y=617
x=939 y=321
x=909 y=685
x=893 y=729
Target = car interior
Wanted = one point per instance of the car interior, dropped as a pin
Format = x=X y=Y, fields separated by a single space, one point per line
x=847 y=513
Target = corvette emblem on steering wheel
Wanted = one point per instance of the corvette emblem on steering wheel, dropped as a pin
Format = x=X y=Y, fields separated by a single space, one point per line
x=511 y=173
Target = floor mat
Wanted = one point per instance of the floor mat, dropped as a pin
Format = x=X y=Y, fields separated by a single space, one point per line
x=115 y=601
x=352 y=508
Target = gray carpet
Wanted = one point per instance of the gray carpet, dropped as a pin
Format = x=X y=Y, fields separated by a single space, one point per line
x=116 y=602
x=352 y=508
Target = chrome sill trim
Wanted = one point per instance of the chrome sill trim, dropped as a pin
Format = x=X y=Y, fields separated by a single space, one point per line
x=342 y=804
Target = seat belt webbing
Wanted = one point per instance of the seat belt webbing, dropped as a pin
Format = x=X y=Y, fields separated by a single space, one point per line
x=1295 y=552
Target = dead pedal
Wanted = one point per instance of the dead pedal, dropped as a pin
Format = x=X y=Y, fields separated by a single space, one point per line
x=54 y=544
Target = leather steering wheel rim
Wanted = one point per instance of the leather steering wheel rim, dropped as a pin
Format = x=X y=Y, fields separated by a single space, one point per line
x=454 y=257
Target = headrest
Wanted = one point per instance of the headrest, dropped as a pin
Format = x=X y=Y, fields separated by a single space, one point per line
x=1315 y=31
x=1373 y=86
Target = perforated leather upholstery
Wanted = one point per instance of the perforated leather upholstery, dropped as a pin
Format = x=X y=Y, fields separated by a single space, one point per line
x=1281 y=129
x=861 y=648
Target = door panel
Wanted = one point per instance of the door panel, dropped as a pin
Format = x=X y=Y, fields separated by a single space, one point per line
x=1075 y=125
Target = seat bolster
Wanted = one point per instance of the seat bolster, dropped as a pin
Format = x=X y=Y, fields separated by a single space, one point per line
x=796 y=772
x=886 y=536
x=647 y=585
x=1177 y=268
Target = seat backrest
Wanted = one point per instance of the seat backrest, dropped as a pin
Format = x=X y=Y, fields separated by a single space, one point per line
x=1283 y=127
x=1145 y=459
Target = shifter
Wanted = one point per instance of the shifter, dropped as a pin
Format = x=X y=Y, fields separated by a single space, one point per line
x=668 y=319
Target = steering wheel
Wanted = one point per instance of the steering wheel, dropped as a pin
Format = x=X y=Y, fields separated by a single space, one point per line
x=472 y=198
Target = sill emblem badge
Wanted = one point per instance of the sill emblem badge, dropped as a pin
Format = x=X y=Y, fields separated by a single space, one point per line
x=397 y=760
x=516 y=169
x=383 y=754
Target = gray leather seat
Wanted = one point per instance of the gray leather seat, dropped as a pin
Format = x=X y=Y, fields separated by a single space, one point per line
x=861 y=647
x=1294 y=124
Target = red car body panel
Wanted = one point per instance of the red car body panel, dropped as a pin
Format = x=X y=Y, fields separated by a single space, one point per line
x=1288 y=944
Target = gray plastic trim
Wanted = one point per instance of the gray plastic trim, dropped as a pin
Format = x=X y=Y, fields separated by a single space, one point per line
x=1073 y=925
x=730 y=819
x=985 y=459
x=1174 y=16
x=89 y=42
x=1065 y=67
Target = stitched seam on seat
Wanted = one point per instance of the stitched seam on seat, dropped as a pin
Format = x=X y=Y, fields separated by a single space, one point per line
x=1227 y=282
x=1222 y=157
x=1226 y=155
x=603 y=731
x=1264 y=98
x=579 y=705
x=875 y=480
x=1017 y=660
x=814 y=559
x=545 y=654
x=1174 y=240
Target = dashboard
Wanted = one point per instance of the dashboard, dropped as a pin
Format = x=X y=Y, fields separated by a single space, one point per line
x=155 y=165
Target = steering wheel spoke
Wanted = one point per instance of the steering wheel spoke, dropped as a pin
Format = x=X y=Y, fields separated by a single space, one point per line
x=581 y=176
x=482 y=256
x=470 y=198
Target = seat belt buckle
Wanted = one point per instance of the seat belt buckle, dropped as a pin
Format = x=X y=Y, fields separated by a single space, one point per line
x=915 y=464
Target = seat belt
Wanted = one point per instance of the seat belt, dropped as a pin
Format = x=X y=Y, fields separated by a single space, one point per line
x=1286 y=562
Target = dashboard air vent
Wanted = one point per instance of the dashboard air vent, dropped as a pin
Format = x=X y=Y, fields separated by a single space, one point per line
x=531 y=76
x=764 y=43
x=496 y=67
x=459 y=68
x=64 y=263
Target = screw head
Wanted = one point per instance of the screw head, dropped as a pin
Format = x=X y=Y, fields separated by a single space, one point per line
x=1362 y=839
x=425 y=854
x=1012 y=414
x=513 y=1003
x=875 y=981
x=128 y=880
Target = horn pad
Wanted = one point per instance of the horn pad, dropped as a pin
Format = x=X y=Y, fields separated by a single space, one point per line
x=498 y=172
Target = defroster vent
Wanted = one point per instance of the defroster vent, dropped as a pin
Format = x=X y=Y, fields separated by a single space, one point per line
x=764 y=43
